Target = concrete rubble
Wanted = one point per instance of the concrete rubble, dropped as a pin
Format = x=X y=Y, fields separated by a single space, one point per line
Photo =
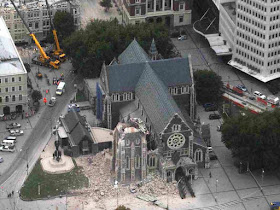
x=98 y=169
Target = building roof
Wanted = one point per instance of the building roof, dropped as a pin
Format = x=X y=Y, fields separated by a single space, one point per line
x=75 y=126
x=156 y=100
x=101 y=135
x=123 y=78
x=134 y=53
x=10 y=61
x=173 y=71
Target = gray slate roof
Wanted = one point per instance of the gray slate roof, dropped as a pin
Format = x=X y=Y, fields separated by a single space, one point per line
x=156 y=100
x=123 y=78
x=134 y=53
x=75 y=127
x=172 y=72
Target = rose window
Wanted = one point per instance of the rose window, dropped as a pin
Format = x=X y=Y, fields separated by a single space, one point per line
x=176 y=141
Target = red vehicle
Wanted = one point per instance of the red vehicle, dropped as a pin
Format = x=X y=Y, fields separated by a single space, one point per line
x=237 y=90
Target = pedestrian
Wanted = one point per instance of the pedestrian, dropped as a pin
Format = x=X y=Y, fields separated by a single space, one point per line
x=210 y=175
x=12 y=192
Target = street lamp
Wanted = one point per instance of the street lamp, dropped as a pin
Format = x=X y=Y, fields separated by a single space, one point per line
x=262 y=177
x=117 y=188
x=216 y=189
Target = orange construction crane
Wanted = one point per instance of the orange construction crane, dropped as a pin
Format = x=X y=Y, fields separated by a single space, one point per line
x=42 y=59
x=58 y=52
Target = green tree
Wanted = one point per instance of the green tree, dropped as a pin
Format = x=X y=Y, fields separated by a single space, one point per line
x=64 y=24
x=36 y=95
x=254 y=138
x=208 y=86
x=107 y=4
x=101 y=41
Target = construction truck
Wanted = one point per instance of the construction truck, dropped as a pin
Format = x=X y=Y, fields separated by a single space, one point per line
x=58 y=52
x=42 y=59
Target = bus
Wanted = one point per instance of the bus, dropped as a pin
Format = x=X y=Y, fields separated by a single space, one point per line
x=60 y=88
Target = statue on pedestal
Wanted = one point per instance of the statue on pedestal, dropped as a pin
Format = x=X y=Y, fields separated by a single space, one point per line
x=57 y=152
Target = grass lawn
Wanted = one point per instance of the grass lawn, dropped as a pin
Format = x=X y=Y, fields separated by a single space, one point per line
x=52 y=184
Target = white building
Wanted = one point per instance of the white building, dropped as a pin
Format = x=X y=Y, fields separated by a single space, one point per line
x=35 y=14
x=13 y=75
x=250 y=29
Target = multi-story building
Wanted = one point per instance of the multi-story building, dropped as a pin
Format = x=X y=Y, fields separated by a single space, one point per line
x=13 y=75
x=171 y=12
x=36 y=16
x=257 y=38
x=250 y=30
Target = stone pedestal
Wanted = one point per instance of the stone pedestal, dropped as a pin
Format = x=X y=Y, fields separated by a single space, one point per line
x=50 y=165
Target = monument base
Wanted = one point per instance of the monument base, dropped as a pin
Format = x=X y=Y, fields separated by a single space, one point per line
x=51 y=166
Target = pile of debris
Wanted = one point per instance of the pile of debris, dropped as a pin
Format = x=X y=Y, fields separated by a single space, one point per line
x=98 y=170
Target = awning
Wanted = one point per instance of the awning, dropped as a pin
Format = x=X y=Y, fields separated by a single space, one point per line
x=218 y=44
x=61 y=132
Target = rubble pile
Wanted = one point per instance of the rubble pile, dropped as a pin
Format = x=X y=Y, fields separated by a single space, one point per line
x=98 y=170
x=157 y=187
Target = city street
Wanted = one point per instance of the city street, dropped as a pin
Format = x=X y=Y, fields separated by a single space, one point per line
x=37 y=130
x=203 y=57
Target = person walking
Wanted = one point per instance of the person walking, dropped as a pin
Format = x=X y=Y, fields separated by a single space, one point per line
x=210 y=175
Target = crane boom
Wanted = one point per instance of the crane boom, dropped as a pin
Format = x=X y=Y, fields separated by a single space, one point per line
x=58 y=49
x=42 y=52
x=43 y=59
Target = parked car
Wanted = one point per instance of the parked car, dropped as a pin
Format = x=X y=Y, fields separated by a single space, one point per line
x=52 y=101
x=7 y=148
x=13 y=125
x=242 y=87
x=208 y=105
x=213 y=156
x=214 y=116
x=1 y=160
x=210 y=149
x=260 y=95
x=182 y=37
x=16 y=132
x=73 y=107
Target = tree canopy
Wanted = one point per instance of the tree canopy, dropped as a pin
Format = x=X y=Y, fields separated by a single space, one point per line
x=107 y=4
x=254 y=138
x=36 y=95
x=101 y=41
x=64 y=24
x=208 y=86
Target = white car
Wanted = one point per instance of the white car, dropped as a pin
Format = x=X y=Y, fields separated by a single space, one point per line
x=259 y=94
x=16 y=132
x=13 y=125
x=7 y=148
x=182 y=37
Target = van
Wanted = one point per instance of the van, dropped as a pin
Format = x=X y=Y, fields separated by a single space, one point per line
x=60 y=88
x=14 y=138
x=259 y=94
x=273 y=99
x=8 y=142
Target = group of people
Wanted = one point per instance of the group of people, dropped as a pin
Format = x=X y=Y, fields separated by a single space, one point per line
x=57 y=81
x=10 y=194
